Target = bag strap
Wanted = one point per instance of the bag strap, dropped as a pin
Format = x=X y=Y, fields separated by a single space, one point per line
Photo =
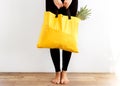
x=68 y=13
x=56 y=14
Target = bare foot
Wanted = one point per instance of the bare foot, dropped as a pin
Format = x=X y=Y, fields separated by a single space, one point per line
x=56 y=80
x=64 y=78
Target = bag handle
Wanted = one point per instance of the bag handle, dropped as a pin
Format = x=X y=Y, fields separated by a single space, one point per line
x=68 y=13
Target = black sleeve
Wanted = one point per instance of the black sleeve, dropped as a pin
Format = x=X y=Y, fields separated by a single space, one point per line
x=73 y=7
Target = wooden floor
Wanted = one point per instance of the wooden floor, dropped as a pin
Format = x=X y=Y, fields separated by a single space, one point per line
x=43 y=79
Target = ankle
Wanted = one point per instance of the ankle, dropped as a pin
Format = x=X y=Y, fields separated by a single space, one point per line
x=58 y=73
x=64 y=73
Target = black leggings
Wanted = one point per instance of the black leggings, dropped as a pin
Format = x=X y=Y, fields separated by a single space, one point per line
x=55 y=53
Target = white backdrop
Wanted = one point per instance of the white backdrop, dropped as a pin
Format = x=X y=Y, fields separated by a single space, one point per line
x=20 y=22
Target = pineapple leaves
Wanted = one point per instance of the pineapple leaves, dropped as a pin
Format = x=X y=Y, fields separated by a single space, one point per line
x=83 y=13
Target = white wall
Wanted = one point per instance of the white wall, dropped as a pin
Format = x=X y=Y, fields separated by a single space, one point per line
x=20 y=22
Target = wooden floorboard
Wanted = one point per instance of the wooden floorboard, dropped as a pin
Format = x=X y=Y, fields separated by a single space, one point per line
x=43 y=79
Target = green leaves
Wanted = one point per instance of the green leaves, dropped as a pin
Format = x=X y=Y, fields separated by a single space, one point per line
x=83 y=13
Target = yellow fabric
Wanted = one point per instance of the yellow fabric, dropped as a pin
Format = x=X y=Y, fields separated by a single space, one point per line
x=59 y=32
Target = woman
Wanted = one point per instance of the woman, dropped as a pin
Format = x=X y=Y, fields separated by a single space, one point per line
x=62 y=5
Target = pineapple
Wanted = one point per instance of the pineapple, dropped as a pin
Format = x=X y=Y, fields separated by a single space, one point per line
x=83 y=13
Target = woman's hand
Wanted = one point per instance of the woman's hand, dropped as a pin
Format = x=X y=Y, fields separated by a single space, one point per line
x=58 y=3
x=67 y=3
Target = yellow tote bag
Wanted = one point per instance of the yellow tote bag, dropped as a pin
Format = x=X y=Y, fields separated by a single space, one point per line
x=59 y=32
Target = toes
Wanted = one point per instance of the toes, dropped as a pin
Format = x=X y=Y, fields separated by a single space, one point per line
x=55 y=81
x=62 y=82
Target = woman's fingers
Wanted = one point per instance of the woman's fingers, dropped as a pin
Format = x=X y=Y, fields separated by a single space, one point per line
x=58 y=3
x=67 y=3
